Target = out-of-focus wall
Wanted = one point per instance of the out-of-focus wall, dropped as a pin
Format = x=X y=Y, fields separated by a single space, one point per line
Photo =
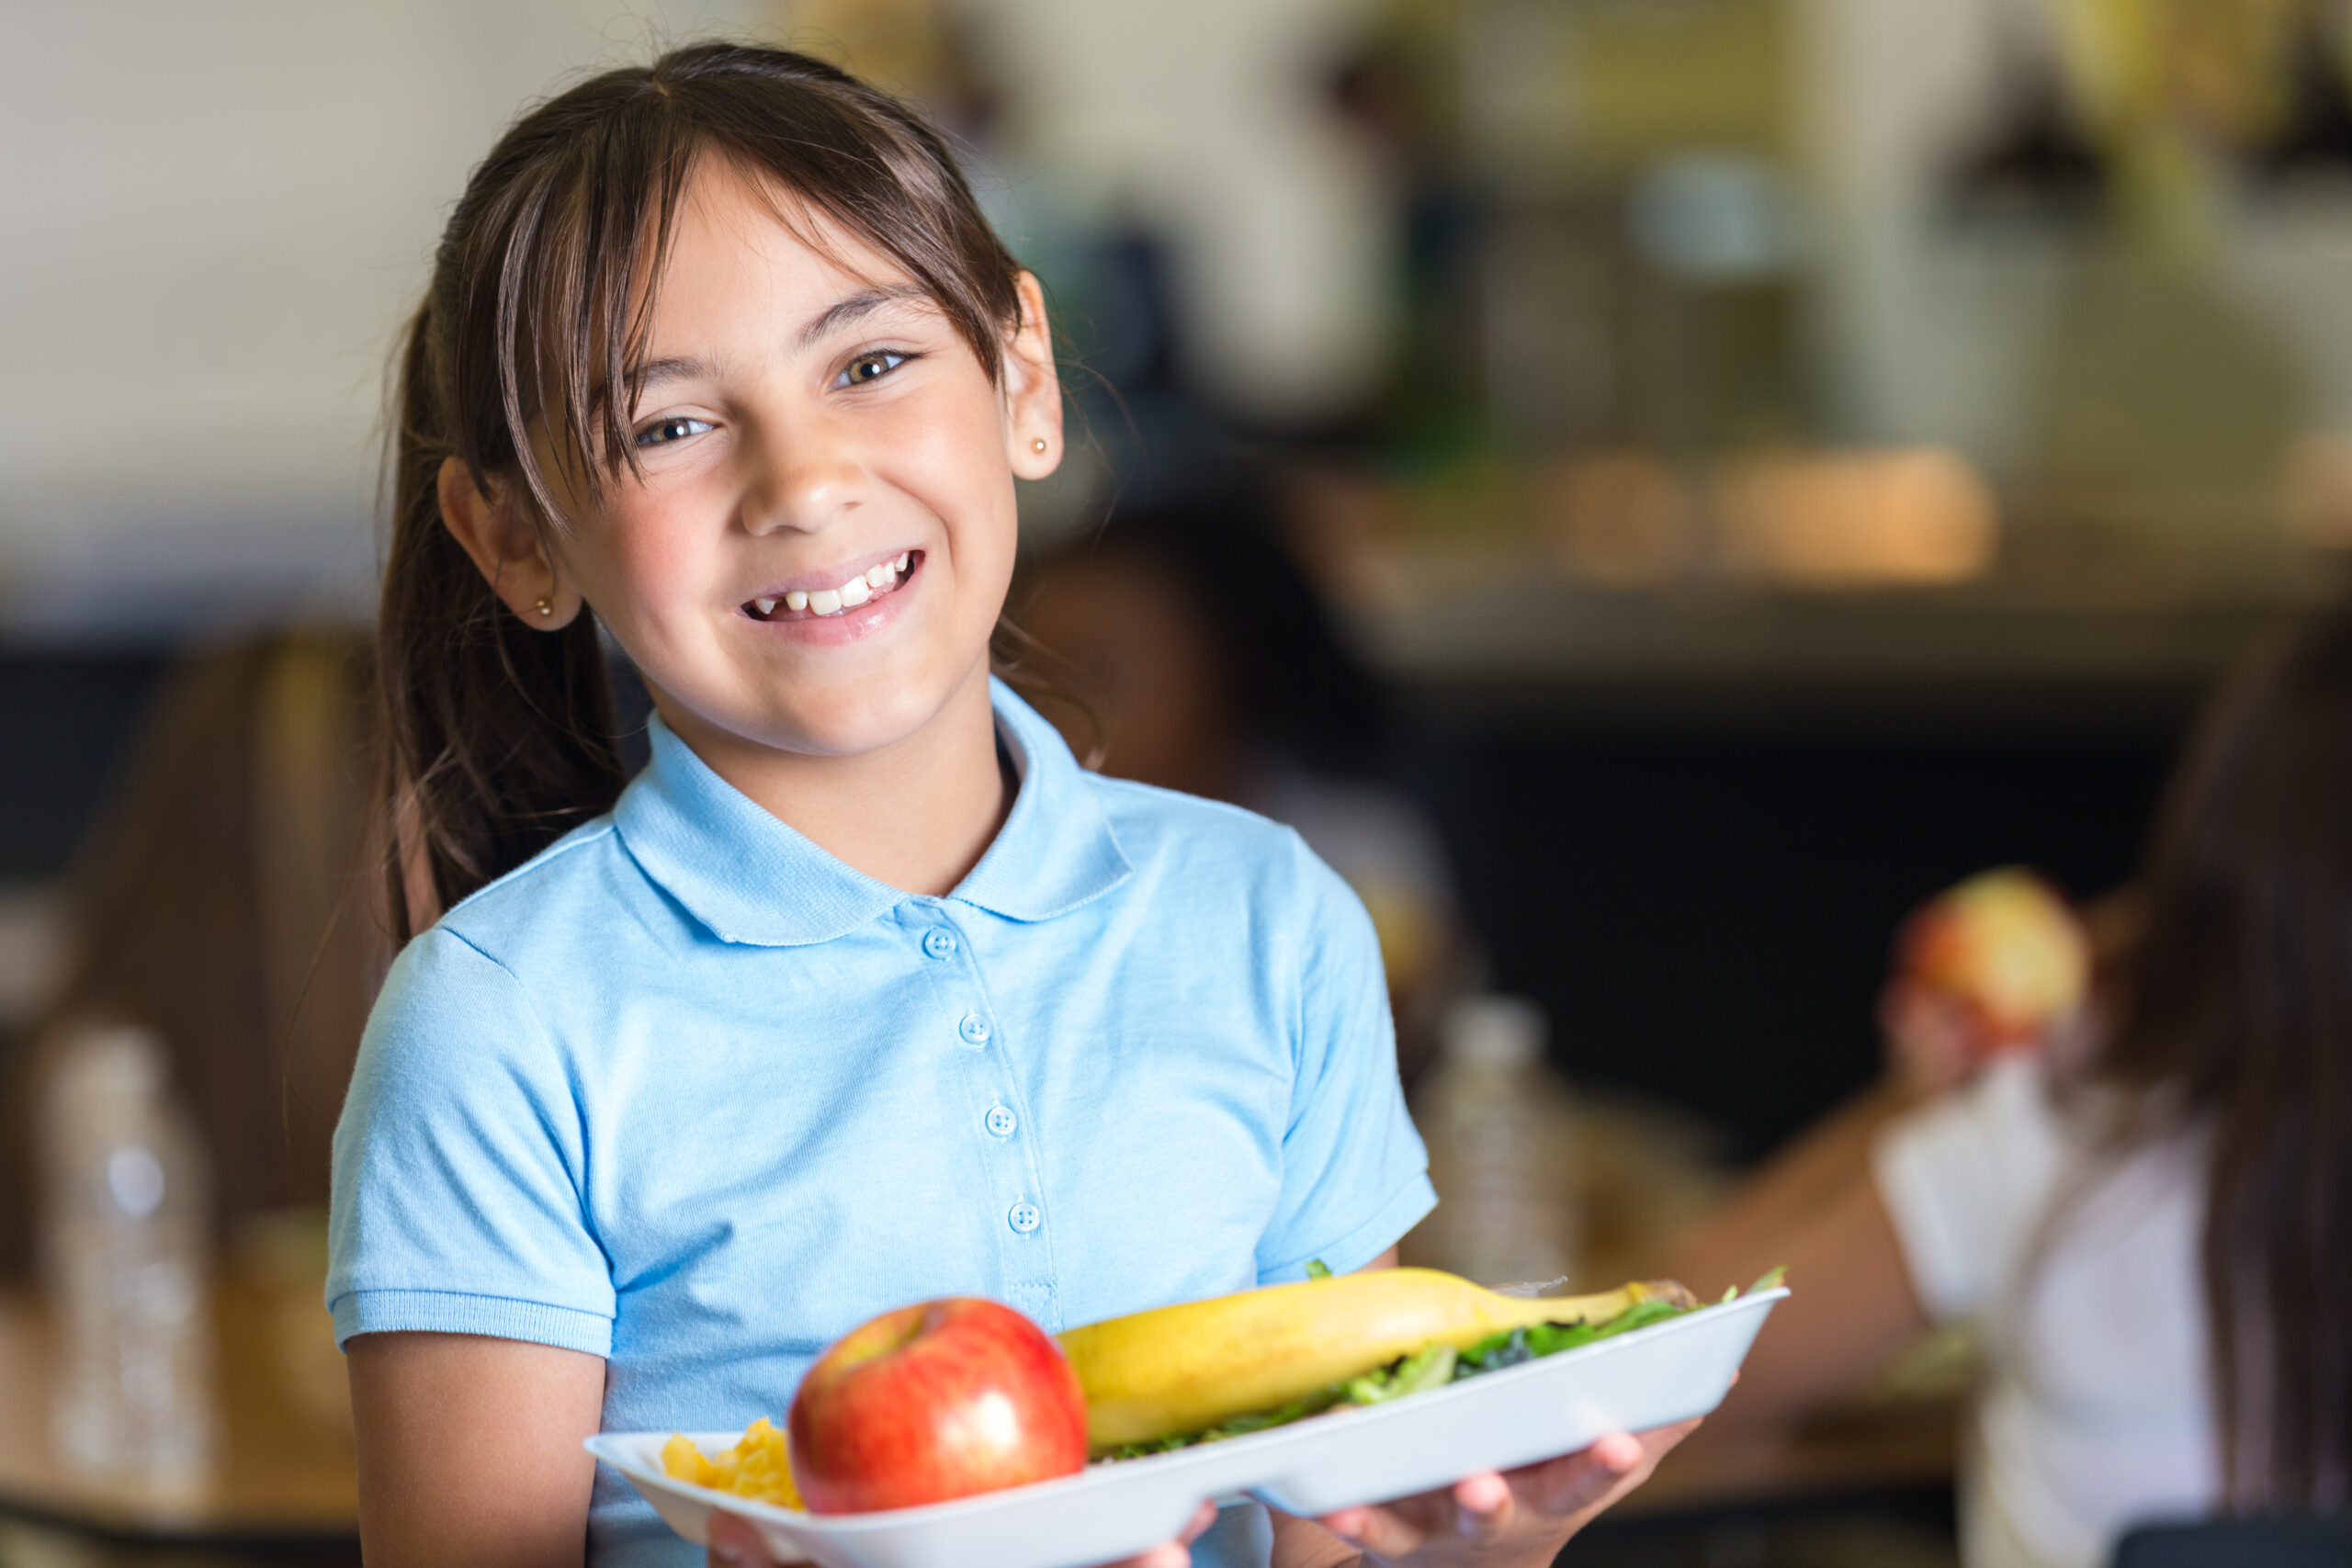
x=1935 y=330
x=212 y=218
x=220 y=213
x=1210 y=125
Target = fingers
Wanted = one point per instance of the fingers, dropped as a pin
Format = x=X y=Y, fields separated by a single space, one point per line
x=734 y=1544
x=1484 y=1506
x=1176 y=1553
x=1565 y=1486
x=1382 y=1532
x=1478 y=1507
x=1933 y=1043
x=1555 y=1498
x=1582 y=1486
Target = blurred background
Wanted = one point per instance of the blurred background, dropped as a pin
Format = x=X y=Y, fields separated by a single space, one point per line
x=1653 y=489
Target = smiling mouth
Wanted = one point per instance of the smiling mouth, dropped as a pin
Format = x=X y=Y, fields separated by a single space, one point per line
x=874 y=583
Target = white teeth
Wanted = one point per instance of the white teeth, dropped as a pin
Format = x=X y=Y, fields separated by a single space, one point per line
x=847 y=596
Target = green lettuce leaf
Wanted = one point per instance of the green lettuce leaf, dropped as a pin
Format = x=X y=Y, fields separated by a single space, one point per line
x=1510 y=1349
x=1240 y=1426
x=1430 y=1367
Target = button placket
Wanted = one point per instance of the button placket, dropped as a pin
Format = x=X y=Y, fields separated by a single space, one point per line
x=1007 y=1155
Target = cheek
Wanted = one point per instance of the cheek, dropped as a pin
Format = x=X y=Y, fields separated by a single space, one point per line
x=646 y=563
x=956 y=468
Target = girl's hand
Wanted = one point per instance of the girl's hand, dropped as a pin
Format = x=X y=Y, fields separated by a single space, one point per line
x=735 y=1544
x=1519 y=1516
x=1933 y=1043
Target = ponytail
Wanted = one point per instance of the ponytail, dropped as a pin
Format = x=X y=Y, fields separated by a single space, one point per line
x=498 y=738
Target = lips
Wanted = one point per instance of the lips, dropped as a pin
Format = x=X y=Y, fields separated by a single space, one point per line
x=876 y=581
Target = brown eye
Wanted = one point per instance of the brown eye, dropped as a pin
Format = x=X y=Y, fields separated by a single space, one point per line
x=661 y=431
x=869 y=368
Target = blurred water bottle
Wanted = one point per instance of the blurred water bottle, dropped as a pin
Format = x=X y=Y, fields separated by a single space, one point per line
x=129 y=1267
x=1496 y=1118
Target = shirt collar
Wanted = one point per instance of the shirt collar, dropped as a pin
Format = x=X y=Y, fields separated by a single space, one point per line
x=752 y=879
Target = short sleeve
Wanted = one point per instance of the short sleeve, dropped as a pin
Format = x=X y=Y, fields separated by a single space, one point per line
x=1965 y=1182
x=458 y=1164
x=1355 y=1177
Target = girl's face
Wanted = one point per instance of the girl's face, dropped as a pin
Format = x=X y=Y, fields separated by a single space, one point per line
x=815 y=552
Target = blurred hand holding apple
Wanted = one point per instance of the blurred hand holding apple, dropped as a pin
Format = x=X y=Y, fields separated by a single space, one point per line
x=1998 y=964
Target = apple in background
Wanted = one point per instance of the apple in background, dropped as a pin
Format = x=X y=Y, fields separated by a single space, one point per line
x=2007 y=948
x=939 y=1400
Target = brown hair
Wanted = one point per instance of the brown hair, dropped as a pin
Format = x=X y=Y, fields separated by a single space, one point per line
x=500 y=737
x=2233 y=1024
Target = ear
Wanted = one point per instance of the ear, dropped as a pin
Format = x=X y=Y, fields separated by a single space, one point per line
x=1033 y=393
x=508 y=550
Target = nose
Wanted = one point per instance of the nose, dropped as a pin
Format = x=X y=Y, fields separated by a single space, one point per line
x=802 y=480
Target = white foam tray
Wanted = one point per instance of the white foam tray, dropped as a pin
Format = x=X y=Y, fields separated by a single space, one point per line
x=1651 y=1377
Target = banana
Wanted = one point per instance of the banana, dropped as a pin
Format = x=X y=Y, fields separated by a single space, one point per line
x=1185 y=1368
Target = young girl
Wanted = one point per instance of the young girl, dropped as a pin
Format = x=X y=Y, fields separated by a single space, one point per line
x=862 y=991
x=2154 y=1229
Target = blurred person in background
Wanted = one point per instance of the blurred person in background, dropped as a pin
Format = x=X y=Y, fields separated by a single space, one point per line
x=212 y=904
x=2150 y=1217
x=1210 y=666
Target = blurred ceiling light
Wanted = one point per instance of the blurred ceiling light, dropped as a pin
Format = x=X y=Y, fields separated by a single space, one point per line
x=2315 y=499
x=1714 y=218
x=1913 y=517
x=1620 y=520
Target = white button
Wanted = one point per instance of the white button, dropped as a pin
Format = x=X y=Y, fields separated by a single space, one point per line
x=1026 y=1218
x=939 y=942
x=1000 y=1121
x=974 y=1028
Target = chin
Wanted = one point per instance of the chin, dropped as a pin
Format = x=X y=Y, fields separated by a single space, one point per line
x=866 y=716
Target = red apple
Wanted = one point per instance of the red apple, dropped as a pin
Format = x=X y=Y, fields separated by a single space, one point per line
x=2007 y=948
x=943 y=1399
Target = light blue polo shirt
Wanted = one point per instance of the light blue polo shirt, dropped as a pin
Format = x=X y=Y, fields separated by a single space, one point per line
x=688 y=1093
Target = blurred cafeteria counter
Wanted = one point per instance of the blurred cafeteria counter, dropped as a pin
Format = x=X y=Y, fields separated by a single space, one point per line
x=287 y=1493
x=1526 y=648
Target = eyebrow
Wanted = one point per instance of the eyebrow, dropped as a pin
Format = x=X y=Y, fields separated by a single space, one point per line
x=655 y=372
x=842 y=312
